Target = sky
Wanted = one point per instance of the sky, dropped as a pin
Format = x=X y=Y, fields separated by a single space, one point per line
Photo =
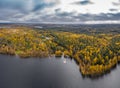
x=60 y=11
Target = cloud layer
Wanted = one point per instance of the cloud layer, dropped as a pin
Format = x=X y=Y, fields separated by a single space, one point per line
x=59 y=10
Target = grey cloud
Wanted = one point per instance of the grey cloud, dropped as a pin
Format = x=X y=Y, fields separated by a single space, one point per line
x=25 y=6
x=57 y=10
x=6 y=13
x=85 y=2
x=42 y=6
x=113 y=9
x=116 y=3
x=16 y=10
x=67 y=17
x=102 y=17
x=63 y=14
x=13 y=4
x=60 y=13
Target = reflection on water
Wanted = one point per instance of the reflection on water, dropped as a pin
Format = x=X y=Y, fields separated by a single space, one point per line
x=50 y=73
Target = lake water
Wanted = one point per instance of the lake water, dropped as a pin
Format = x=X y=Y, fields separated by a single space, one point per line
x=50 y=73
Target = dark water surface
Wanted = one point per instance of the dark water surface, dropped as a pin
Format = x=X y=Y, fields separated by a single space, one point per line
x=50 y=73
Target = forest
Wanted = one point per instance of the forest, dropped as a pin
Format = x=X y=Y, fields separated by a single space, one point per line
x=95 y=54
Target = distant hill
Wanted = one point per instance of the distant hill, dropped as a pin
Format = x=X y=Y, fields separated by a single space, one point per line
x=77 y=28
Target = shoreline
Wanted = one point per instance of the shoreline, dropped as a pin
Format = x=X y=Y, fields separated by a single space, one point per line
x=84 y=73
x=95 y=54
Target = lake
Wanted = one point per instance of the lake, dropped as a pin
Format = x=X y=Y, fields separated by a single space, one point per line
x=50 y=73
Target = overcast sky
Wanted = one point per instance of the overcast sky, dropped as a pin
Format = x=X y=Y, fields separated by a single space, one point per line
x=75 y=11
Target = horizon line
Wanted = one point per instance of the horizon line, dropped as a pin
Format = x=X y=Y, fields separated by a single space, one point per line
x=85 y=22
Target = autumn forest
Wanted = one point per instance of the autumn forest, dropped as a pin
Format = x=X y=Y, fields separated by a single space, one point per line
x=95 y=54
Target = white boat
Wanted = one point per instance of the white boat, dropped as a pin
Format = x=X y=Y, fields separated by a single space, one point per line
x=64 y=61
